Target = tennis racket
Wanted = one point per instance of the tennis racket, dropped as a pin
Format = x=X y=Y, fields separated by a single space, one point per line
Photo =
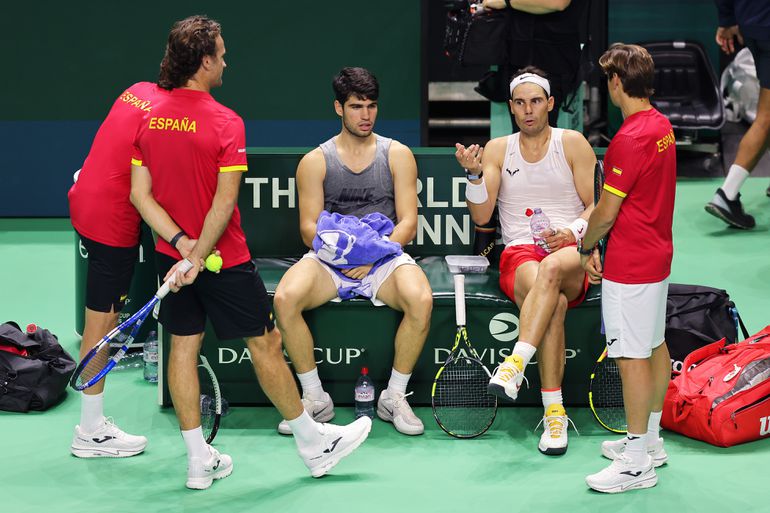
x=211 y=400
x=605 y=395
x=103 y=357
x=605 y=389
x=461 y=405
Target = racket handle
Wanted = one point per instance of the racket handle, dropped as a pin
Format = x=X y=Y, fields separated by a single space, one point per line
x=166 y=287
x=460 y=299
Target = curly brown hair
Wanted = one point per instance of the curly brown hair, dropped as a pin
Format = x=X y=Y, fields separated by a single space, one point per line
x=189 y=41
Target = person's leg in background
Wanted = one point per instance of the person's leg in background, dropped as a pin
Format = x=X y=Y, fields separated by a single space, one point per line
x=726 y=203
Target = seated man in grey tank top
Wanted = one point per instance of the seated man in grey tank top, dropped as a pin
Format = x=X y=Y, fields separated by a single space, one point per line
x=547 y=168
x=357 y=173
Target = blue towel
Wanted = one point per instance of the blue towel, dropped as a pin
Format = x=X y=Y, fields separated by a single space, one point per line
x=345 y=242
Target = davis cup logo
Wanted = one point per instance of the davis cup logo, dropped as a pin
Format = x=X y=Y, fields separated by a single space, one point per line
x=504 y=327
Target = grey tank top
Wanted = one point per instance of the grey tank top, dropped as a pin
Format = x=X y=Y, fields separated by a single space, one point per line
x=358 y=194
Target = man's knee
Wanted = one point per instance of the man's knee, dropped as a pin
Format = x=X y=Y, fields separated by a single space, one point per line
x=419 y=304
x=270 y=343
x=289 y=298
x=549 y=272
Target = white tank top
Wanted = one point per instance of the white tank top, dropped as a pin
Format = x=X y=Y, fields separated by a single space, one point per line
x=547 y=184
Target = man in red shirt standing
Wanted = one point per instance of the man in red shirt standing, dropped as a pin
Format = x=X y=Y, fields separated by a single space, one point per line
x=638 y=205
x=187 y=164
x=109 y=227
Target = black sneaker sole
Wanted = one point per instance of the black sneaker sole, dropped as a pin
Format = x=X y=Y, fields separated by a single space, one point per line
x=553 y=451
x=720 y=213
x=498 y=391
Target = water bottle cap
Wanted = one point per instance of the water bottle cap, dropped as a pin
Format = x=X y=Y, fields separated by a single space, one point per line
x=528 y=212
x=364 y=371
x=31 y=328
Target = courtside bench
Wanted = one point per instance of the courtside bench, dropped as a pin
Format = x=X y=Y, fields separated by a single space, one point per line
x=354 y=333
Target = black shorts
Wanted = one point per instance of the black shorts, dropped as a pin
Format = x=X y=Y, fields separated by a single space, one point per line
x=760 y=50
x=235 y=300
x=110 y=270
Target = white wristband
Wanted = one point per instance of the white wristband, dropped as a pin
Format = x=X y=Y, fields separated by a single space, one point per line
x=476 y=193
x=578 y=228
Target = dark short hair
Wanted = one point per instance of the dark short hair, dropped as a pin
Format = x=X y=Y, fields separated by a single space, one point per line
x=530 y=69
x=359 y=82
x=189 y=41
x=634 y=67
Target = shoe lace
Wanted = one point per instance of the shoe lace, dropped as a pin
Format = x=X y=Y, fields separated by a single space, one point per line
x=400 y=399
x=509 y=372
x=554 y=424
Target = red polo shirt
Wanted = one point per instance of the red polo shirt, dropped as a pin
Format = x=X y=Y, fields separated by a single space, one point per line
x=640 y=167
x=100 y=207
x=186 y=141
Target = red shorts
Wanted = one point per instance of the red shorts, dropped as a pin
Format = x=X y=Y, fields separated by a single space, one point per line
x=513 y=257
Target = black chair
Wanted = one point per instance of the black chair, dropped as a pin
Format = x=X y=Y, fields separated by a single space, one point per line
x=686 y=87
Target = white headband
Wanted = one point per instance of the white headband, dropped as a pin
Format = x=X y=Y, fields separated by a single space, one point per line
x=532 y=79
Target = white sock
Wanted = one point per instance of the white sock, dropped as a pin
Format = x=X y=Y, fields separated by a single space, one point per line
x=735 y=178
x=311 y=384
x=398 y=382
x=91 y=412
x=525 y=350
x=653 y=427
x=305 y=430
x=636 y=448
x=196 y=444
x=552 y=396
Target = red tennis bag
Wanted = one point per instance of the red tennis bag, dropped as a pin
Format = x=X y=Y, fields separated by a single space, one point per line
x=722 y=395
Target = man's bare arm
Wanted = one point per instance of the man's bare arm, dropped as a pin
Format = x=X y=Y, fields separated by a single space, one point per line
x=150 y=210
x=530 y=6
x=404 y=170
x=491 y=163
x=310 y=181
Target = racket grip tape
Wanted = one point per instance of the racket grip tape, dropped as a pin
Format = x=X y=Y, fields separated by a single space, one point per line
x=460 y=299
x=166 y=287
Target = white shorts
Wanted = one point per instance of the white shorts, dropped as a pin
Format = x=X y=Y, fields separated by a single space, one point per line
x=373 y=281
x=634 y=317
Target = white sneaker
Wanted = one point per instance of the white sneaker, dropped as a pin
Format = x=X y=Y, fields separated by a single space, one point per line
x=320 y=410
x=392 y=407
x=507 y=379
x=553 y=441
x=109 y=441
x=612 y=449
x=622 y=475
x=201 y=472
x=336 y=443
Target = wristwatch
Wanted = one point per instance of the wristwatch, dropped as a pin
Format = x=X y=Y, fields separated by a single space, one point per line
x=471 y=176
x=583 y=251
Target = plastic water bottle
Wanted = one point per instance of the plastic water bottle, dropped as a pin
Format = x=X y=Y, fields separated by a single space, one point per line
x=133 y=359
x=541 y=227
x=151 y=358
x=364 y=395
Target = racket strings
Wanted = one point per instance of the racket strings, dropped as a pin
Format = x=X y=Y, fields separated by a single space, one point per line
x=607 y=395
x=461 y=402
x=105 y=350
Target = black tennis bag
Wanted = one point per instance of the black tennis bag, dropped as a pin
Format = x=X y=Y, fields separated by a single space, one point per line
x=696 y=316
x=34 y=369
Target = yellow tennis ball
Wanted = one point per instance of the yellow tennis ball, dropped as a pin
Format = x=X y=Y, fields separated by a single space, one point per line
x=214 y=263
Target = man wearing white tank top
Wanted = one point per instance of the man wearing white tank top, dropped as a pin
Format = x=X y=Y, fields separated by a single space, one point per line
x=552 y=169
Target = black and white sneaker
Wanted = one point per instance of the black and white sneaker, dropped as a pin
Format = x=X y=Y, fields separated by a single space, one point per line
x=336 y=443
x=729 y=211
x=622 y=475
x=109 y=441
